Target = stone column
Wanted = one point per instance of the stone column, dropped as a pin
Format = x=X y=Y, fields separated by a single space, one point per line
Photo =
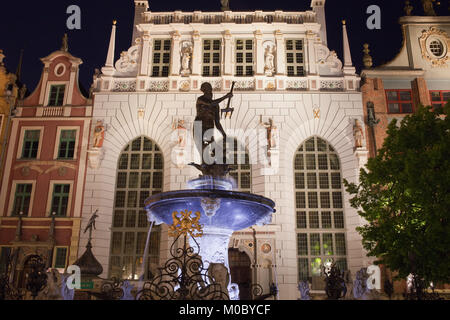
x=281 y=67
x=175 y=59
x=197 y=54
x=259 y=52
x=228 y=54
x=145 y=57
x=311 y=66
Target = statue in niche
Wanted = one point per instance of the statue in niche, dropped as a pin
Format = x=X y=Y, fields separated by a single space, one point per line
x=269 y=67
x=181 y=130
x=225 y=5
x=428 y=7
x=269 y=58
x=186 y=55
x=358 y=134
x=272 y=134
x=99 y=134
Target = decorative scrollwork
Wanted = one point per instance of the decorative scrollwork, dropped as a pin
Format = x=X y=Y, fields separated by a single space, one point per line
x=183 y=277
x=184 y=223
x=112 y=290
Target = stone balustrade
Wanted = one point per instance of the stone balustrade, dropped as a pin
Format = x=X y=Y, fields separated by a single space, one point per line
x=229 y=17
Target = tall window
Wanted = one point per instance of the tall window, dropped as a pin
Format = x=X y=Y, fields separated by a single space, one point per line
x=439 y=99
x=295 y=61
x=140 y=175
x=399 y=101
x=60 y=258
x=22 y=199
x=320 y=214
x=30 y=144
x=56 y=95
x=60 y=199
x=244 y=58
x=239 y=160
x=161 y=58
x=211 y=58
x=67 y=144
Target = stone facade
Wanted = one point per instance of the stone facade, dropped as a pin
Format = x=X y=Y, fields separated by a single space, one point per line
x=131 y=100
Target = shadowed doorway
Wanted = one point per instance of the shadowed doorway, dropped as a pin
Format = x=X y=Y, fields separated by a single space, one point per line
x=241 y=272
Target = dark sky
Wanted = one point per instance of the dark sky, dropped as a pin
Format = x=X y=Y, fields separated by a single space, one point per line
x=38 y=26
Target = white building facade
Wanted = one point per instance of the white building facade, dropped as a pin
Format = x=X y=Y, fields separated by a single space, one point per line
x=288 y=85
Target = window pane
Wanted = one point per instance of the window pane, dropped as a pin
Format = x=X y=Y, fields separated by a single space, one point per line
x=314 y=220
x=394 y=108
x=310 y=162
x=118 y=218
x=302 y=244
x=313 y=200
x=327 y=241
x=300 y=181
x=301 y=220
x=339 y=220
x=60 y=258
x=314 y=244
x=392 y=95
x=340 y=244
x=326 y=220
x=299 y=162
x=405 y=95
x=312 y=181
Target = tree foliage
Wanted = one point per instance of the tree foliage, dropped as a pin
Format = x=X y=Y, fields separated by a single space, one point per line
x=405 y=198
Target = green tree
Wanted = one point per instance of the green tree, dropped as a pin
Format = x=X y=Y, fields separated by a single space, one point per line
x=405 y=198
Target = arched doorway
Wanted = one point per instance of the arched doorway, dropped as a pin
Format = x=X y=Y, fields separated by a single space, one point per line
x=140 y=175
x=241 y=272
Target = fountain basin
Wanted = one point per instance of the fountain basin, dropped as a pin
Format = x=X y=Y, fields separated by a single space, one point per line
x=236 y=210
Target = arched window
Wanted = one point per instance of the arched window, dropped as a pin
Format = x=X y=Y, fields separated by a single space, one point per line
x=319 y=210
x=140 y=175
x=239 y=160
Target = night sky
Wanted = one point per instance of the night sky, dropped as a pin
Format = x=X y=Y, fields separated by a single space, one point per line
x=38 y=26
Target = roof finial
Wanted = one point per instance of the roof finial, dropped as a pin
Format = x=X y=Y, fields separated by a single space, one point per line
x=367 y=59
x=19 y=66
x=109 y=64
x=428 y=7
x=349 y=69
x=408 y=8
x=65 y=43
x=225 y=5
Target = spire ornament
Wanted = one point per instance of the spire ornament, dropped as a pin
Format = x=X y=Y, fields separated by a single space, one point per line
x=367 y=58
x=65 y=43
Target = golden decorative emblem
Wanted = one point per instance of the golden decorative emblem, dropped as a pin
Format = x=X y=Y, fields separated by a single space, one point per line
x=435 y=44
x=316 y=113
x=184 y=223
